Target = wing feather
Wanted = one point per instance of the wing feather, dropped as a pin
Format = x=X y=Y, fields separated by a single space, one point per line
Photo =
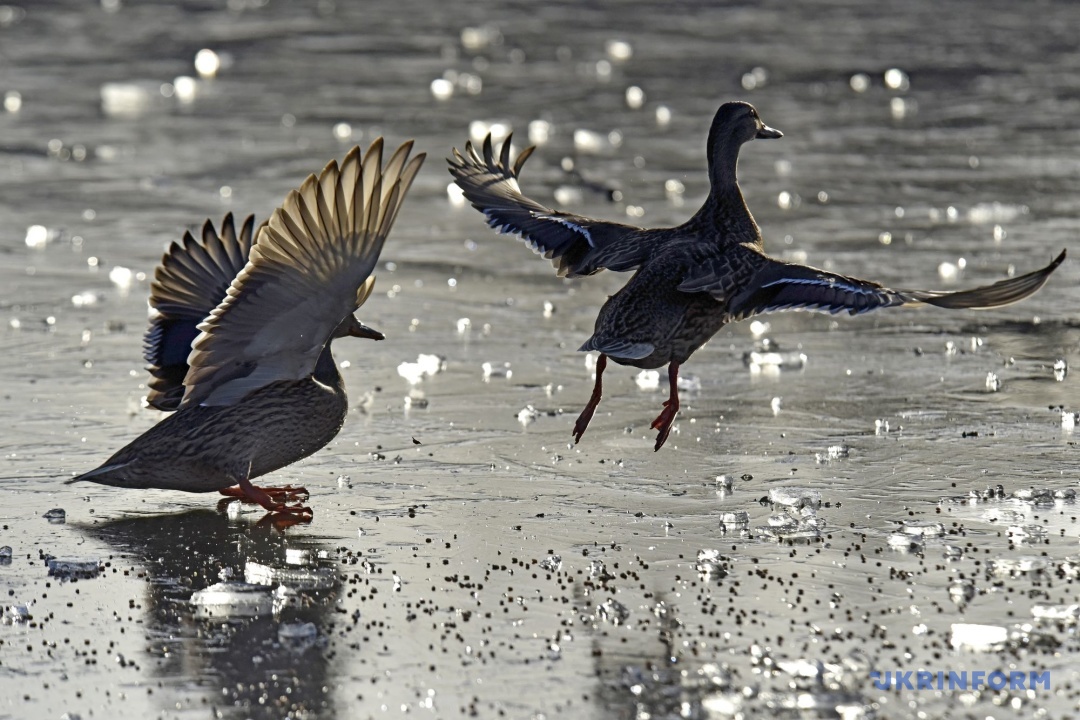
x=310 y=268
x=783 y=286
x=191 y=280
x=576 y=245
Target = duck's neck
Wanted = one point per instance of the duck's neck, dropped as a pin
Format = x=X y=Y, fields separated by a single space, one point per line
x=326 y=370
x=724 y=211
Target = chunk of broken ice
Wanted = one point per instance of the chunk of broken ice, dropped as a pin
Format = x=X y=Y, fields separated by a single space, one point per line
x=552 y=563
x=980 y=638
x=56 y=516
x=227 y=600
x=736 y=521
x=66 y=569
x=923 y=528
x=528 y=415
x=904 y=542
x=795 y=497
x=1057 y=613
x=1027 y=533
x=1023 y=565
x=15 y=614
x=771 y=361
x=296 y=577
x=793 y=531
x=496 y=370
x=612 y=611
x=1061 y=370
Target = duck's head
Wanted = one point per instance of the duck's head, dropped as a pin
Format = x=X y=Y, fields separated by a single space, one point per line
x=352 y=327
x=736 y=123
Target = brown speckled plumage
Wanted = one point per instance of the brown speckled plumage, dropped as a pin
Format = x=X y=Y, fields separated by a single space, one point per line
x=693 y=279
x=250 y=372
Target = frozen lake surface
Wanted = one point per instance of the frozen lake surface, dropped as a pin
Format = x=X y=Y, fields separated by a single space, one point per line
x=804 y=526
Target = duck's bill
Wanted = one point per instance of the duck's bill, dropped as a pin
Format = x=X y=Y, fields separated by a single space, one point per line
x=360 y=330
x=1004 y=292
x=768 y=133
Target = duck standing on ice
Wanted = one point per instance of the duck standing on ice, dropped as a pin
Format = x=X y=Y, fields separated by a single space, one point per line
x=240 y=341
x=691 y=280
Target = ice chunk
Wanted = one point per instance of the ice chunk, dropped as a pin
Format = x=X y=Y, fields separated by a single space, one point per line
x=795 y=497
x=980 y=638
x=923 y=528
x=528 y=415
x=1027 y=533
x=1061 y=370
x=67 y=569
x=734 y=522
x=612 y=611
x=962 y=591
x=227 y=600
x=790 y=531
x=16 y=614
x=496 y=370
x=552 y=563
x=771 y=362
x=5 y=555
x=1057 y=613
x=904 y=542
x=1023 y=565
x=299 y=556
x=56 y=516
x=298 y=578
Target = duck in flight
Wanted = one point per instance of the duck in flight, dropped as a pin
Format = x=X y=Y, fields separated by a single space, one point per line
x=239 y=342
x=691 y=280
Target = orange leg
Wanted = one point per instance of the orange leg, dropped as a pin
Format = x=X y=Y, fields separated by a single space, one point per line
x=586 y=415
x=273 y=499
x=282 y=494
x=671 y=407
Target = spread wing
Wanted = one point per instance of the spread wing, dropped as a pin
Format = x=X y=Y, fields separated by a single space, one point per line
x=575 y=245
x=307 y=272
x=783 y=286
x=188 y=284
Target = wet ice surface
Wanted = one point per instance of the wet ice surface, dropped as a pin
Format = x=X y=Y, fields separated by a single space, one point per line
x=473 y=561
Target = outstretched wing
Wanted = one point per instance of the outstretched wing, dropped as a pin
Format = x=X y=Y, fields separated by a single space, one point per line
x=308 y=271
x=191 y=280
x=575 y=245
x=782 y=286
